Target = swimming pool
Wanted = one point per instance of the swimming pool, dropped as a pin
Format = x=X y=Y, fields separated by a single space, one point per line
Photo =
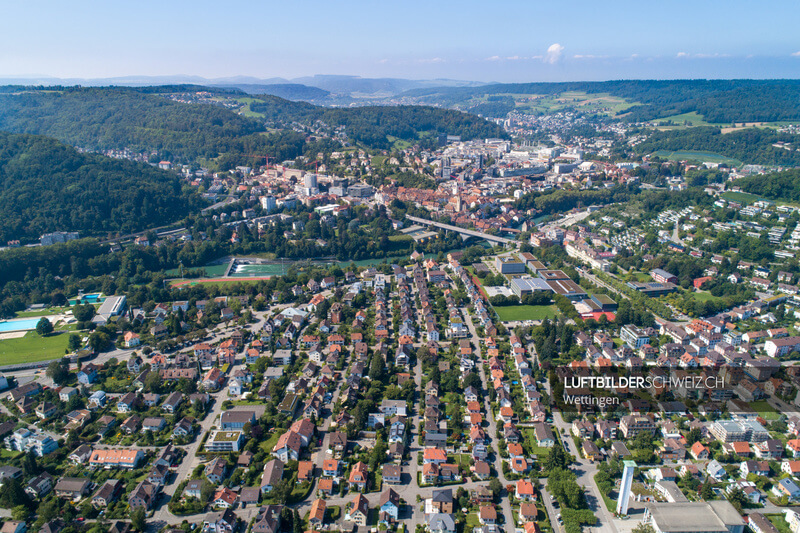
x=18 y=325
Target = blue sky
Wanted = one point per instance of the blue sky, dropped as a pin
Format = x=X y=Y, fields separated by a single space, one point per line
x=482 y=41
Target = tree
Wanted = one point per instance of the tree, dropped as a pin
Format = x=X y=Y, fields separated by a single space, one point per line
x=737 y=498
x=99 y=341
x=44 y=326
x=556 y=458
x=20 y=512
x=496 y=487
x=13 y=494
x=59 y=300
x=58 y=371
x=472 y=380
x=139 y=519
x=29 y=465
x=83 y=313
x=693 y=436
x=281 y=491
x=706 y=492
x=322 y=309
x=644 y=528
x=74 y=342
x=297 y=524
x=152 y=382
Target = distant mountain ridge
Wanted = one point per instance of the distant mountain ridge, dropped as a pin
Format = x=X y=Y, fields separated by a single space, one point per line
x=718 y=101
x=337 y=84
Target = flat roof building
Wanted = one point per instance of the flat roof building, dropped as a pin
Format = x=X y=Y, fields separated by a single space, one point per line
x=524 y=286
x=509 y=265
x=694 y=517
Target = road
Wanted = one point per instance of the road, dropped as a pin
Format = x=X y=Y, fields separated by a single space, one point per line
x=585 y=471
x=190 y=461
x=463 y=231
x=492 y=433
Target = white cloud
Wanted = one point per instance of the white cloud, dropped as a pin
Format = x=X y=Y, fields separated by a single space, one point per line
x=796 y=54
x=494 y=58
x=432 y=60
x=554 y=53
x=682 y=54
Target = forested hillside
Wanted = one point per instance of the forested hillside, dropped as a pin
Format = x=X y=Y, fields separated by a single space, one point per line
x=116 y=118
x=143 y=119
x=721 y=101
x=751 y=146
x=373 y=125
x=47 y=186
x=776 y=186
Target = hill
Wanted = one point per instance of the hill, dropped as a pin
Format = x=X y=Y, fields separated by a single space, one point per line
x=47 y=186
x=776 y=186
x=718 y=101
x=160 y=119
x=750 y=145
x=116 y=118
x=288 y=91
x=375 y=126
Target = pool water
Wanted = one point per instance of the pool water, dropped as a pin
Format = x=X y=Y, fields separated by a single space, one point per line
x=18 y=325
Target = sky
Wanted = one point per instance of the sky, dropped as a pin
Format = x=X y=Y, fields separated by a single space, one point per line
x=511 y=41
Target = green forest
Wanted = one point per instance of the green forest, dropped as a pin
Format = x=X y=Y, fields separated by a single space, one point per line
x=751 y=145
x=144 y=119
x=777 y=186
x=721 y=101
x=116 y=118
x=47 y=186
x=373 y=125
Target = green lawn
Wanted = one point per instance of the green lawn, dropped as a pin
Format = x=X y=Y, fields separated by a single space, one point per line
x=779 y=522
x=33 y=347
x=41 y=312
x=472 y=522
x=703 y=157
x=530 y=443
x=222 y=283
x=693 y=119
x=704 y=296
x=526 y=312
x=740 y=197
x=765 y=410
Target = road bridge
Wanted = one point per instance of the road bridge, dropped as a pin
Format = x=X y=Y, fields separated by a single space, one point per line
x=463 y=231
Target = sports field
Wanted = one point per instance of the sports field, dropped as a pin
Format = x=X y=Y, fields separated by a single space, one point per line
x=513 y=313
x=214 y=281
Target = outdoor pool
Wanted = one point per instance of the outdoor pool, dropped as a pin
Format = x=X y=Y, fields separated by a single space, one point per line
x=18 y=325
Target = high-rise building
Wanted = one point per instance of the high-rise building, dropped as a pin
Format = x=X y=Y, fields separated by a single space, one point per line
x=269 y=203
x=625 y=487
x=310 y=181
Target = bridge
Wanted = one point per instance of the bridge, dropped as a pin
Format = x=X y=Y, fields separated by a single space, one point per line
x=464 y=232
